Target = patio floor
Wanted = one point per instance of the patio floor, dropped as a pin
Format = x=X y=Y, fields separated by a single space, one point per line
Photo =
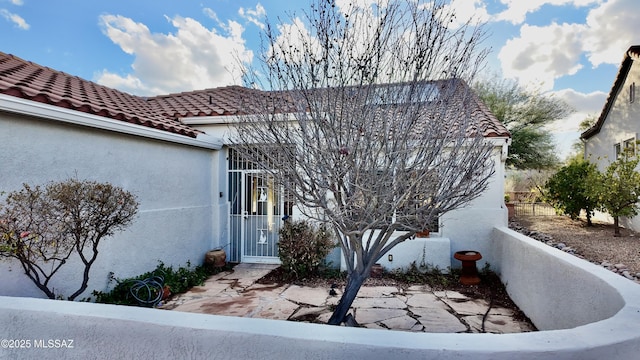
x=417 y=308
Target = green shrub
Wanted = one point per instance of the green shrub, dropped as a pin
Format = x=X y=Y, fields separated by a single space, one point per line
x=303 y=247
x=568 y=189
x=178 y=281
x=618 y=188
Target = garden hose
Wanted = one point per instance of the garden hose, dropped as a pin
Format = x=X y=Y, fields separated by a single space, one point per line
x=148 y=292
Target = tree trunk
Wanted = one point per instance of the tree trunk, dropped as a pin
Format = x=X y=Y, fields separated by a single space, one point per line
x=616 y=226
x=589 y=223
x=354 y=282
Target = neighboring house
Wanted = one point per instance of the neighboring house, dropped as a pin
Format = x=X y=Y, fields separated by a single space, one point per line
x=194 y=194
x=619 y=123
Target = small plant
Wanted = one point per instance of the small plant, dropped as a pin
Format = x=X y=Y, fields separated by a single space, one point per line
x=145 y=289
x=486 y=270
x=303 y=247
x=433 y=277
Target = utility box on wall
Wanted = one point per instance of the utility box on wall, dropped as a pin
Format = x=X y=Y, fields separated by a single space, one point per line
x=427 y=254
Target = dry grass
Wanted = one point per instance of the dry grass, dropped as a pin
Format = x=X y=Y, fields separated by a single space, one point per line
x=595 y=243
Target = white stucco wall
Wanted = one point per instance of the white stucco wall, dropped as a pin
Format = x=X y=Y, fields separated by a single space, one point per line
x=177 y=187
x=585 y=311
x=471 y=227
x=555 y=289
x=468 y=228
x=622 y=123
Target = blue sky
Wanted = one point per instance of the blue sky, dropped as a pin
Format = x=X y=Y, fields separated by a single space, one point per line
x=568 y=48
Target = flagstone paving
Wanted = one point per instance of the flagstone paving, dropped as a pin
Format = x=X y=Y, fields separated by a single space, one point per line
x=417 y=309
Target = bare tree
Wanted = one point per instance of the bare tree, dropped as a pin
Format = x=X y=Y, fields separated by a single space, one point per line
x=369 y=123
x=43 y=228
x=525 y=113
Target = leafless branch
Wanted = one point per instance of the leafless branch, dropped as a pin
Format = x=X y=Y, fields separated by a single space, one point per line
x=369 y=123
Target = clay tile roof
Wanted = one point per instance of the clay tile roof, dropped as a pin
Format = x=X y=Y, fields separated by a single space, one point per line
x=480 y=113
x=230 y=100
x=27 y=80
x=467 y=104
x=462 y=107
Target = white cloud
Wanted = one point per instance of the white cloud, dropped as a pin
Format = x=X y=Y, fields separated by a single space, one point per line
x=254 y=16
x=14 y=18
x=17 y=2
x=612 y=28
x=542 y=54
x=465 y=10
x=589 y=103
x=567 y=131
x=586 y=105
x=211 y=14
x=193 y=57
x=363 y=4
x=294 y=35
x=517 y=10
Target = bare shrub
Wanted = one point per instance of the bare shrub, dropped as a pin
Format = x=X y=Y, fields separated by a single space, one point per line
x=303 y=247
x=44 y=228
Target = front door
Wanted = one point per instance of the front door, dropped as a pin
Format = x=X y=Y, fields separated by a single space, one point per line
x=261 y=218
x=256 y=211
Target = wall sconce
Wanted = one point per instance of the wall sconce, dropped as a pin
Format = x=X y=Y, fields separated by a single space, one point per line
x=390 y=257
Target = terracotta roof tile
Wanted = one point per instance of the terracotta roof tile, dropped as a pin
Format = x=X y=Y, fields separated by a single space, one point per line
x=27 y=80
x=230 y=100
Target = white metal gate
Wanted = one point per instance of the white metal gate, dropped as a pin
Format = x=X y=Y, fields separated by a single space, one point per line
x=257 y=208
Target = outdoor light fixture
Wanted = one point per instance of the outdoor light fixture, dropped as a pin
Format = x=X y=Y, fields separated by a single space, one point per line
x=390 y=257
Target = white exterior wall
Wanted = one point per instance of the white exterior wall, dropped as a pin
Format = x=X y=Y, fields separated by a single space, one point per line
x=176 y=186
x=468 y=228
x=585 y=311
x=622 y=123
x=471 y=227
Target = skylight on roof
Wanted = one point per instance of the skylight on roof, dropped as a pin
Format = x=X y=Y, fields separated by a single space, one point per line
x=403 y=94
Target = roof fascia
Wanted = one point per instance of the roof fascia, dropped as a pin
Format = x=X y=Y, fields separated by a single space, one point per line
x=503 y=142
x=40 y=110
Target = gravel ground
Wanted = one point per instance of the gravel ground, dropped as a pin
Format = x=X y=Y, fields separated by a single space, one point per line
x=594 y=243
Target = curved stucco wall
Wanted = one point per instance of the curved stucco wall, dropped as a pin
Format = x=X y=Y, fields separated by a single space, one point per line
x=555 y=289
x=107 y=331
x=178 y=193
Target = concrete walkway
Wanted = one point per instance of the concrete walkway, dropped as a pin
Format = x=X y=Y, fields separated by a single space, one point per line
x=416 y=309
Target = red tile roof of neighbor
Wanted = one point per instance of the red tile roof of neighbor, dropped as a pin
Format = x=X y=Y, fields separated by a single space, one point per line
x=633 y=53
x=24 y=79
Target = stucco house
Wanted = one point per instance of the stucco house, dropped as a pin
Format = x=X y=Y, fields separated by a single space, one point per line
x=170 y=151
x=617 y=126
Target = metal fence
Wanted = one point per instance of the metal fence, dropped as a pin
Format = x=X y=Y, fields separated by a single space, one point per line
x=534 y=209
